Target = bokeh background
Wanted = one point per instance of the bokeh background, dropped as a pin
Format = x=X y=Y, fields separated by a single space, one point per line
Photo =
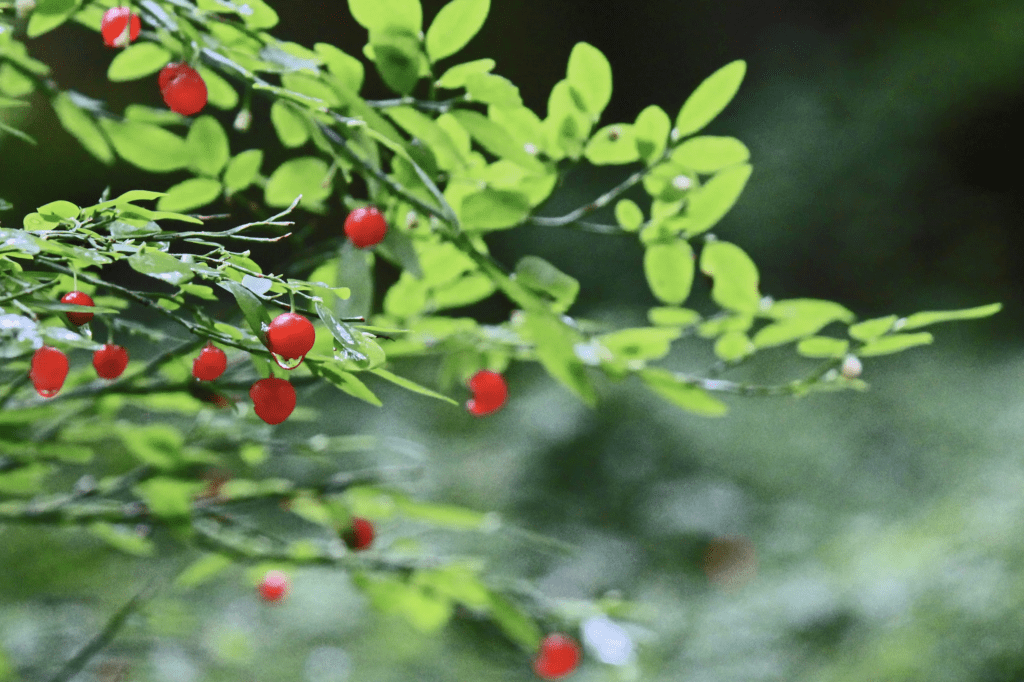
x=872 y=536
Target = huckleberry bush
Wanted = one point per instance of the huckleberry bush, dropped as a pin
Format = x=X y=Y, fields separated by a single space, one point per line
x=420 y=180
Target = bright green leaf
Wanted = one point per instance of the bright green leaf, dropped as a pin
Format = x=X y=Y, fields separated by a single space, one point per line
x=872 y=329
x=540 y=276
x=454 y=26
x=149 y=147
x=735 y=276
x=305 y=175
x=590 y=75
x=669 y=269
x=710 y=153
x=207 y=146
x=711 y=202
x=686 y=395
x=242 y=170
x=82 y=127
x=822 y=347
x=894 y=343
x=492 y=209
x=493 y=90
x=652 y=128
x=614 y=144
x=628 y=215
x=290 y=126
x=918 y=320
x=456 y=76
x=380 y=14
x=137 y=61
x=397 y=58
x=710 y=97
x=190 y=194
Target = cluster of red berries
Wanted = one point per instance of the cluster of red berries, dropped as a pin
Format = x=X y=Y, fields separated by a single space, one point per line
x=49 y=367
x=183 y=89
x=358 y=537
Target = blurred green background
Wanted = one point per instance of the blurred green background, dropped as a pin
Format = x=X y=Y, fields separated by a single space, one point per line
x=844 y=537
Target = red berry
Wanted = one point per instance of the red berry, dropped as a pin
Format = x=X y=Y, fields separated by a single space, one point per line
x=360 y=535
x=169 y=73
x=489 y=393
x=273 y=399
x=559 y=655
x=291 y=336
x=184 y=90
x=210 y=364
x=49 y=369
x=365 y=226
x=77 y=298
x=274 y=586
x=110 y=361
x=119 y=27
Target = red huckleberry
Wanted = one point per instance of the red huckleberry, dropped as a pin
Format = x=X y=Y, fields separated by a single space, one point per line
x=184 y=90
x=365 y=226
x=78 y=298
x=110 y=361
x=273 y=399
x=489 y=393
x=210 y=364
x=360 y=535
x=274 y=586
x=48 y=371
x=119 y=27
x=290 y=335
x=559 y=655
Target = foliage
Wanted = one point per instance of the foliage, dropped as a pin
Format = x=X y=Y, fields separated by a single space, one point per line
x=452 y=159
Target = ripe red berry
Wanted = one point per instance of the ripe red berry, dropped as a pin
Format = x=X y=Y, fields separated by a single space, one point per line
x=559 y=655
x=365 y=226
x=119 y=27
x=360 y=535
x=210 y=364
x=184 y=90
x=49 y=369
x=273 y=399
x=274 y=586
x=77 y=298
x=291 y=336
x=489 y=393
x=110 y=361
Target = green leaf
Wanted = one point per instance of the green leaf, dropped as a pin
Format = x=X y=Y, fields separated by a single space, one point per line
x=540 y=276
x=156 y=444
x=555 y=347
x=202 y=570
x=454 y=26
x=456 y=76
x=710 y=97
x=397 y=58
x=669 y=269
x=567 y=125
x=640 y=343
x=25 y=481
x=710 y=203
x=137 y=61
x=447 y=515
x=685 y=395
x=516 y=623
x=168 y=497
x=872 y=329
x=590 y=75
x=411 y=385
x=427 y=130
x=82 y=127
x=496 y=139
x=733 y=346
x=494 y=90
x=652 y=128
x=290 y=126
x=220 y=93
x=61 y=210
x=614 y=144
x=822 y=347
x=252 y=308
x=304 y=175
x=162 y=266
x=672 y=317
x=492 y=209
x=343 y=65
x=346 y=381
x=123 y=539
x=460 y=583
x=242 y=170
x=798 y=318
x=261 y=16
x=149 y=147
x=894 y=343
x=709 y=153
x=207 y=146
x=190 y=194
x=380 y=14
x=923 y=319
x=628 y=215
x=49 y=15
x=735 y=276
